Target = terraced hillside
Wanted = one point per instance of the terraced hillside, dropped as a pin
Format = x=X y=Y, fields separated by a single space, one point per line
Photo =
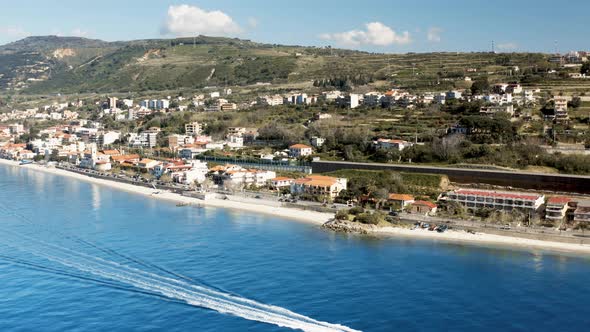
x=72 y=65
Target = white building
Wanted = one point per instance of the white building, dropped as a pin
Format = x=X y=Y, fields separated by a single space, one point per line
x=317 y=141
x=396 y=144
x=193 y=128
x=300 y=150
x=499 y=200
x=319 y=185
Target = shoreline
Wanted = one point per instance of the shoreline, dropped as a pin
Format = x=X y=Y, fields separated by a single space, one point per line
x=319 y=218
x=312 y=217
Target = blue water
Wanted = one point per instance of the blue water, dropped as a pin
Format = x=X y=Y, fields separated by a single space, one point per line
x=75 y=256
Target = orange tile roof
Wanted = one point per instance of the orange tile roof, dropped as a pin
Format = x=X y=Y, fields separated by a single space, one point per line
x=559 y=200
x=110 y=152
x=425 y=203
x=282 y=178
x=299 y=146
x=317 y=180
x=400 y=197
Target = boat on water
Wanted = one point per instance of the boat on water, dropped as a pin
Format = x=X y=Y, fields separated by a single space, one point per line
x=25 y=162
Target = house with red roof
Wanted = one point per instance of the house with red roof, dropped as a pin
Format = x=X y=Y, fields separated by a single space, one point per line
x=300 y=150
x=423 y=207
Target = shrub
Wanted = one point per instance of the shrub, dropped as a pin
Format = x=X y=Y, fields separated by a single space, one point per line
x=367 y=218
x=342 y=215
x=356 y=210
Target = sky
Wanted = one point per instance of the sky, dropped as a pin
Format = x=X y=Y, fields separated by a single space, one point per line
x=388 y=26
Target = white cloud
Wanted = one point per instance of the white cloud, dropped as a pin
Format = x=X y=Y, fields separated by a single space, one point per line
x=433 y=34
x=186 y=21
x=13 y=32
x=376 y=34
x=507 y=46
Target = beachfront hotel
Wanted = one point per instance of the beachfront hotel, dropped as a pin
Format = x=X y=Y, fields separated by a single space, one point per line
x=499 y=200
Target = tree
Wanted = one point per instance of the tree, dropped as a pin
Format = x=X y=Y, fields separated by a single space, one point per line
x=585 y=68
x=480 y=85
x=576 y=102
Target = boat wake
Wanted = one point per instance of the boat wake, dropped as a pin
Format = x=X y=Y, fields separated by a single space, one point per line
x=115 y=270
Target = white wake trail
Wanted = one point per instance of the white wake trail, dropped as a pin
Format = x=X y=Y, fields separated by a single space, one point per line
x=195 y=295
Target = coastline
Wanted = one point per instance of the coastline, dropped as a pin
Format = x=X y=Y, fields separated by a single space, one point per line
x=319 y=218
x=312 y=217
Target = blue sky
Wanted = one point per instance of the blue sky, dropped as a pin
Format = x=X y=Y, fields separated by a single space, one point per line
x=372 y=25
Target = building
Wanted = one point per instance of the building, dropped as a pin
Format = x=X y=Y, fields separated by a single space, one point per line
x=397 y=144
x=440 y=98
x=300 y=150
x=108 y=138
x=453 y=94
x=228 y=107
x=492 y=110
x=372 y=99
x=582 y=213
x=281 y=182
x=16 y=128
x=162 y=104
x=174 y=141
x=113 y=102
x=322 y=116
x=556 y=208
x=400 y=200
x=560 y=110
x=423 y=207
x=235 y=142
x=349 y=101
x=238 y=176
x=147 y=164
x=191 y=151
x=499 y=200
x=317 y=142
x=270 y=100
x=319 y=185
x=193 y=128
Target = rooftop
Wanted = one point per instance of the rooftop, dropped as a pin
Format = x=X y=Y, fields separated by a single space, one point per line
x=299 y=146
x=498 y=194
x=425 y=203
x=400 y=197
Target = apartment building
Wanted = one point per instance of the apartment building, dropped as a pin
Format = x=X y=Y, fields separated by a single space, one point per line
x=319 y=185
x=506 y=201
x=193 y=128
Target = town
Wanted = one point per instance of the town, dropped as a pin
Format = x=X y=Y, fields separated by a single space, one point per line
x=187 y=142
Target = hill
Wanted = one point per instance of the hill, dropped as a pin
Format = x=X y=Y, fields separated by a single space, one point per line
x=51 y=64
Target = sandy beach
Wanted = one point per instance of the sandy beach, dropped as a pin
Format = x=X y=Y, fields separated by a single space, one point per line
x=296 y=214
x=318 y=218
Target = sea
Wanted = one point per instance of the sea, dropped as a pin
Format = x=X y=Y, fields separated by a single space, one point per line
x=77 y=256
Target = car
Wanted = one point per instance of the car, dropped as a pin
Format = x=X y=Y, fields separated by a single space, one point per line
x=505 y=227
x=393 y=213
x=257 y=197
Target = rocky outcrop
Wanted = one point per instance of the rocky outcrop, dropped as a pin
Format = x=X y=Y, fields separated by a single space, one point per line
x=343 y=226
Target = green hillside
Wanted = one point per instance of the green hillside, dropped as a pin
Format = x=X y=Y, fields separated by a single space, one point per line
x=77 y=65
